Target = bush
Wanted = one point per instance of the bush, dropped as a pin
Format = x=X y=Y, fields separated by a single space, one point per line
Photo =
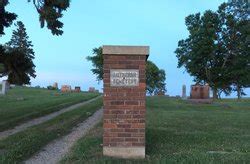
x=51 y=88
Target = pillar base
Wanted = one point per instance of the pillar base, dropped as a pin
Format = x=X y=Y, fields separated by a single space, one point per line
x=125 y=152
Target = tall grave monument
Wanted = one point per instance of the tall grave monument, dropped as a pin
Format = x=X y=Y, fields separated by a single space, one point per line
x=184 y=92
x=124 y=101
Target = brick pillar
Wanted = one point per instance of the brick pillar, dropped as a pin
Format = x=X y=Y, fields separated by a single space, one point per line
x=124 y=101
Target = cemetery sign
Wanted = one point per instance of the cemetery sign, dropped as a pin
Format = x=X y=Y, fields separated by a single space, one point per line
x=124 y=77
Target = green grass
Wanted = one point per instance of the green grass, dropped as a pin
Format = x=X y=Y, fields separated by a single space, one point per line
x=23 y=145
x=181 y=132
x=22 y=104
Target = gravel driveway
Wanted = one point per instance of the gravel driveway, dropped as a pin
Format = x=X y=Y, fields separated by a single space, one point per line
x=43 y=119
x=57 y=149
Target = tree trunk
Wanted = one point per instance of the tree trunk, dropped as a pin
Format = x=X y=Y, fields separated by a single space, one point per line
x=238 y=92
x=219 y=94
x=215 y=93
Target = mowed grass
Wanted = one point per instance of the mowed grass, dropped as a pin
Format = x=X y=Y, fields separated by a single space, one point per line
x=23 y=145
x=181 y=132
x=22 y=104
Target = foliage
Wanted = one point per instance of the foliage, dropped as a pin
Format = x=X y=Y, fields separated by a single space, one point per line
x=97 y=62
x=216 y=50
x=1 y=60
x=155 y=77
x=20 y=41
x=6 y=18
x=18 y=57
x=51 y=87
x=1 y=68
x=50 y=11
x=236 y=36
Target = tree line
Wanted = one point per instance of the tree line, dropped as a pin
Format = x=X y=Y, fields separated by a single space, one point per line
x=216 y=51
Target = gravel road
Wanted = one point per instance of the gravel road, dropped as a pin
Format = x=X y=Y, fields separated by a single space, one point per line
x=42 y=119
x=57 y=149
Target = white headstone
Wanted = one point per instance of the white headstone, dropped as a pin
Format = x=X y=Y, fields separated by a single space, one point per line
x=5 y=87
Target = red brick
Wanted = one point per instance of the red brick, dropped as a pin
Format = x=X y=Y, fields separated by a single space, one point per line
x=124 y=135
x=124 y=108
x=108 y=126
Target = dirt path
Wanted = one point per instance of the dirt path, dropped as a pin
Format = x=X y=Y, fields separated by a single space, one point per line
x=57 y=149
x=42 y=119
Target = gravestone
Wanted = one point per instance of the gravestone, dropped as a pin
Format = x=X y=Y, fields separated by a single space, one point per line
x=66 y=88
x=184 y=92
x=55 y=85
x=78 y=89
x=5 y=87
x=200 y=91
x=91 y=89
x=124 y=101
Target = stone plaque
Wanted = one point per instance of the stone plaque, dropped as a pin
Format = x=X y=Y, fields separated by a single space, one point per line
x=124 y=77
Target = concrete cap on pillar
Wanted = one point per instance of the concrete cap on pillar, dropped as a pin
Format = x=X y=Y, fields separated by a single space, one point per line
x=125 y=50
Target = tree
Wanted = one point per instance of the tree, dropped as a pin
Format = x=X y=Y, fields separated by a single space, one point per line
x=50 y=11
x=18 y=58
x=6 y=18
x=155 y=77
x=17 y=67
x=201 y=53
x=236 y=33
x=2 y=56
x=212 y=52
x=97 y=62
x=20 y=41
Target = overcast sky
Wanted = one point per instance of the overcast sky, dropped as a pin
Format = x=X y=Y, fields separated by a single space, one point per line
x=93 y=23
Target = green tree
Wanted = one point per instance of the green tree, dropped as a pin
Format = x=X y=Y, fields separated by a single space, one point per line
x=19 y=56
x=2 y=56
x=17 y=67
x=97 y=62
x=214 y=49
x=200 y=54
x=236 y=37
x=50 y=11
x=20 y=41
x=6 y=18
x=155 y=77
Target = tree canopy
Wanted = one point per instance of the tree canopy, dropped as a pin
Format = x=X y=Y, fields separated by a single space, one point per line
x=155 y=77
x=216 y=51
x=50 y=11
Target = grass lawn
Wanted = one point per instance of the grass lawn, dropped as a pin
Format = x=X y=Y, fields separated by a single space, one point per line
x=180 y=132
x=23 y=145
x=21 y=104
